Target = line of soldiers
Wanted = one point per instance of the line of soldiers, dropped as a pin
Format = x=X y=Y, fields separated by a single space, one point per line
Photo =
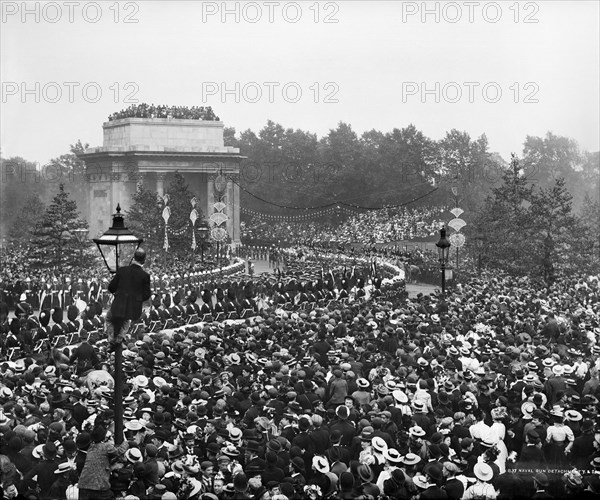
x=176 y=300
x=36 y=333
x=50 y=292
x=324 y=289
x=53 y=292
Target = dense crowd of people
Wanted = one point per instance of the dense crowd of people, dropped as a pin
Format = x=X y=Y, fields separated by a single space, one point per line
x=365 y=228
x=310 y=385
x=144 y=110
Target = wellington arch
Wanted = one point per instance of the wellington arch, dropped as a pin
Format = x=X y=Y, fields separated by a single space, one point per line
x=150 y=151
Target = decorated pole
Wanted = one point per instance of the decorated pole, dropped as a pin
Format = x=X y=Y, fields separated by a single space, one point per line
x=193 y=218
x=457 y=239
x=219 y=218
x=166 y=214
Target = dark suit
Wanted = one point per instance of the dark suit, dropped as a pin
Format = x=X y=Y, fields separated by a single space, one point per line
x=583 y=448
x=320 y=439
x=131 y=287
x=86 y=357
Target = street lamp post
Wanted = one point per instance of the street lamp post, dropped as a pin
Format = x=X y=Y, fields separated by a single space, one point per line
x=443 y=246
x=117 y=246
x=81 y=237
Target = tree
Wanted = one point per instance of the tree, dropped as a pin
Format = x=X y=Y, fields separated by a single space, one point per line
x=551 y=157
x=507 y=217
x=590 y=213
x=341 y=151
x=404 y=164
x=586 y=236
x=590 y=173
x=546 y=159
x=229 y=138
x=465 y=164
x=299 y=175
x=54 y=243
x=180 y=236
x=272 y=135
x=283 y=167
x=26 y=219
x=20 y=180
x=552 y=228
x=534 y=228
x=71 y=171
x=145 y=217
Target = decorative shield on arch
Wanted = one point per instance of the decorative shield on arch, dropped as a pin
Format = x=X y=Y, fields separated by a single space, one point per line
x=166 y=214
x=220 y=183
x=218 y=233
x=218 y=218
x=457 y=224
x=457 y=239
x=193 y=216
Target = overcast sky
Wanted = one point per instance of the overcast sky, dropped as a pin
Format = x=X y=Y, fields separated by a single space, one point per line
x=505 y=69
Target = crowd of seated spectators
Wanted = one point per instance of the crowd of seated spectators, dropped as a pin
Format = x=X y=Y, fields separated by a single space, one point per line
x=374 y=226
x=144 y=110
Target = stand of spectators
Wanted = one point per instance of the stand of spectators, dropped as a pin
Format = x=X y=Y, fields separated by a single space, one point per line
x=144 y=110
x=367 y=228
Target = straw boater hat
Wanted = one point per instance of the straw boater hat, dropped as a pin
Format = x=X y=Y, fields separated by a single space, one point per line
x=363 y=383
x=63 y=467
x=420 y=481
x=400 y=396
x=411 y=459
x=321 y=464
x=392 y=455
x=573 y=415
x=133 y=455
x=379 y=444
x=416 y=431
x=483 y=471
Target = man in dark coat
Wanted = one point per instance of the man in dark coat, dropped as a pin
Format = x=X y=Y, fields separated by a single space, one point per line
x=583 y=446
x=319 y=435
x=131 y=287
x=85 y=356
x=80 y=411
x=271 y=471
x=531 y=456
x=343 y=425
x=43 y=471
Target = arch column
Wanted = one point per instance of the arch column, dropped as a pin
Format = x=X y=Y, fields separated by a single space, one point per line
x=229 y=211
x=160 y=183
x=210 y=194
